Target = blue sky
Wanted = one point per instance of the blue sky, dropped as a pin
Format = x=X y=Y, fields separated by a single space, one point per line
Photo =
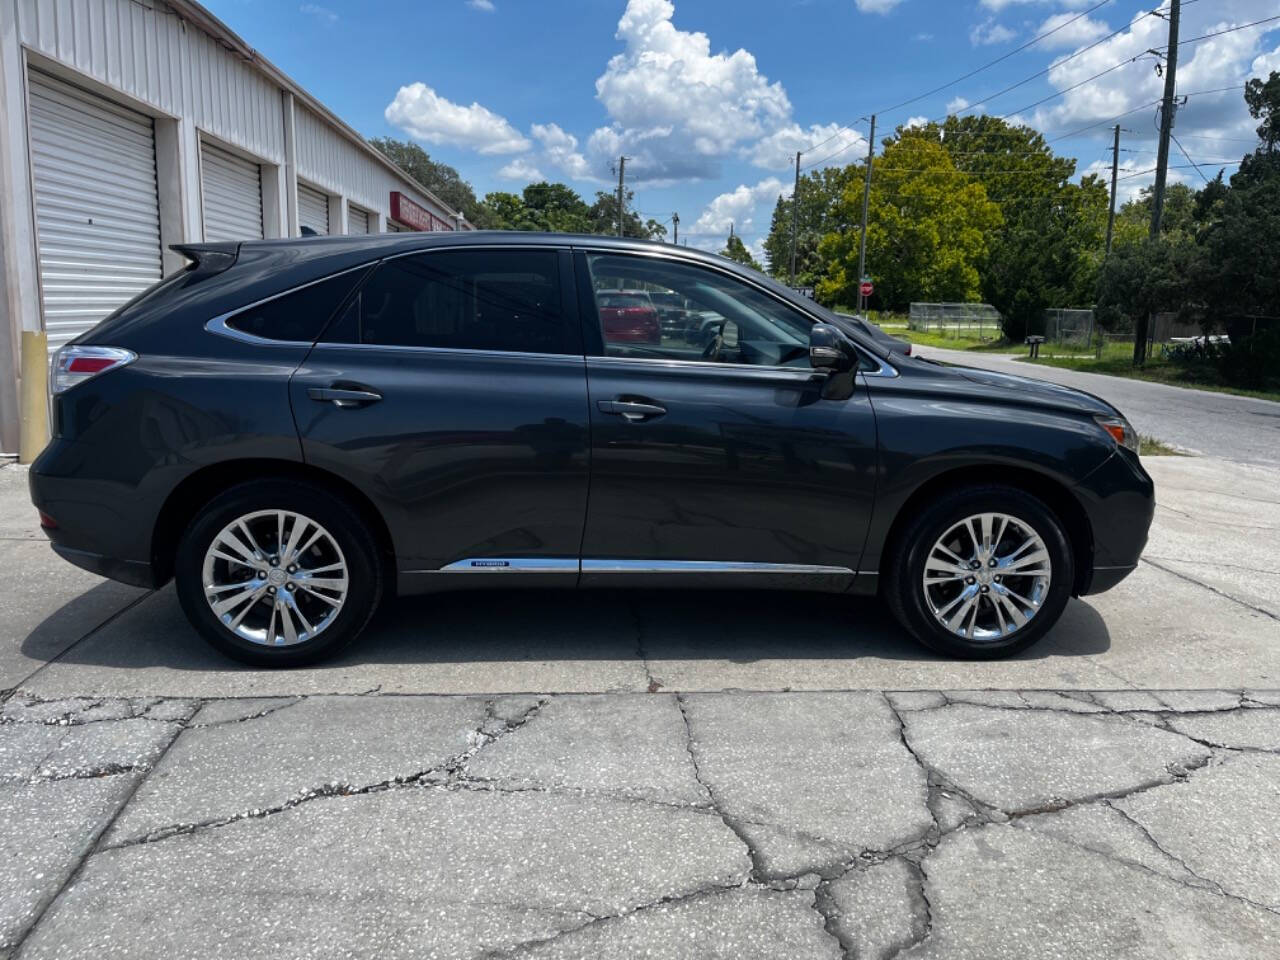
x=712 y=98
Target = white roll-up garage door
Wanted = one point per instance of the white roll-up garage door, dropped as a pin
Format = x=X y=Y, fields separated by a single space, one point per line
x=97 y=211
x=313 y=209
x=231 y=188
x=357 y=220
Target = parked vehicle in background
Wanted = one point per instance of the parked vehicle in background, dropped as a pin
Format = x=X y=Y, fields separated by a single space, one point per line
x=673 y=314
x=628 y=316
x=292 y=429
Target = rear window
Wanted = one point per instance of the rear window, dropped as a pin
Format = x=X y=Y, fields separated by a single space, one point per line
x=299 y=316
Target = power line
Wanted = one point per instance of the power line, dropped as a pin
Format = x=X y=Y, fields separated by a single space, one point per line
x=951 y=83
x=1188 y=156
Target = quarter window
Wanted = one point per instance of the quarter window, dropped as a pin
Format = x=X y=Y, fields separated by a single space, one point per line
x=657 y=308
x=299 y=316
x=506 y=300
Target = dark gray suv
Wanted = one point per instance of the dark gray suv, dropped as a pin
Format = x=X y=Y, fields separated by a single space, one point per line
x=295 y=429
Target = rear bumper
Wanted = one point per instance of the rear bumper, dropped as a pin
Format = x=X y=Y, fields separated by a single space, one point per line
x=1120 y=501
x=133 y=572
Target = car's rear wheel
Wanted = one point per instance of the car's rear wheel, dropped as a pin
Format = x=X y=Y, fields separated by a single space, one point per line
x=981 y=573
x=278 y=573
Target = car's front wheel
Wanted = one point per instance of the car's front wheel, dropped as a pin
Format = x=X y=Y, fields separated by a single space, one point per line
x=278 y=573
x=981 y=573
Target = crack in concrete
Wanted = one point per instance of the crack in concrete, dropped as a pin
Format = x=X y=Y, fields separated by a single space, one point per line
x=757 y=866
x=1201 y=884
x=653 y=685
x=704 y=892
x=449 y=769
x=253 y=716
x=1223 y=594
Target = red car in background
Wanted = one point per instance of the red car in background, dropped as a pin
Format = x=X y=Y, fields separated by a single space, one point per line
x=628 y=316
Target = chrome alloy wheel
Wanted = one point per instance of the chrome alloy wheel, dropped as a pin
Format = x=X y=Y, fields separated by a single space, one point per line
x=987 y=576
x=275 y=578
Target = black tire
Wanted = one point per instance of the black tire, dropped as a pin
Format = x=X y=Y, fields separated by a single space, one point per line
x=904 y=572
x=340 y=521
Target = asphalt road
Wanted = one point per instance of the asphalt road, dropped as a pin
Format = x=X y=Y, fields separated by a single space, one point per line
x=1214 y=424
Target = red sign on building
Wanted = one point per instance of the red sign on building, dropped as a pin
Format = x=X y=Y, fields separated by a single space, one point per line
x=414 y=215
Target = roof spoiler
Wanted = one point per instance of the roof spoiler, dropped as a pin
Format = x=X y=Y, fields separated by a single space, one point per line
x=210 y=258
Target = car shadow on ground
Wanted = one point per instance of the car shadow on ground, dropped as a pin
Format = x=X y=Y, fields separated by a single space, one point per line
x=542 y=625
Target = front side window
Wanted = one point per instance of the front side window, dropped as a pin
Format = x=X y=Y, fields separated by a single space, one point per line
x=506 y=300
x=658 y=308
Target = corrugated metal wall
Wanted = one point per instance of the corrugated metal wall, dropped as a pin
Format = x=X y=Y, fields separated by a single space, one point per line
x=150 y=54
x=328 y=159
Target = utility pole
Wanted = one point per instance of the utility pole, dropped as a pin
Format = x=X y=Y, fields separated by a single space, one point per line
x=1115 y=164
x=795 y=218
x=1162 y=161
x=675 y=223
x=622 y=168
x=866 y=199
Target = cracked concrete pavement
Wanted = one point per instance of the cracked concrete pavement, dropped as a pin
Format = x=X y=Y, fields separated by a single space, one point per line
x=597 y=775
x=860 y=824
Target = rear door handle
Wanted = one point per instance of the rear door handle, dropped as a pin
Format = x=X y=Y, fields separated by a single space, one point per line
x=631 y=410
x=344 y=398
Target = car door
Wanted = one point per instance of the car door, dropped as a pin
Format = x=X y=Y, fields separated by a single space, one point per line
x=718 y=449
x=452 y=392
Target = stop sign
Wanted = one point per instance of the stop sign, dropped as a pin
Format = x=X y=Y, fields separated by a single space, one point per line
x=866 y=288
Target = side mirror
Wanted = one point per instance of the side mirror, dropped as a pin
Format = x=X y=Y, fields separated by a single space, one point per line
x=827 y=349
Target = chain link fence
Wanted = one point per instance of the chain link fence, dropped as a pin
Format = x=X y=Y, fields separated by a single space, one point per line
x=956 y=319
x=1067 y=327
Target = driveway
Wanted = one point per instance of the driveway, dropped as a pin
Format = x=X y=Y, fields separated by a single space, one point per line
x=1215 y=424
x=606 y=775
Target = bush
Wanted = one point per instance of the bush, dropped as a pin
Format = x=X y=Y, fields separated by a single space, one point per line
x=1252 y=362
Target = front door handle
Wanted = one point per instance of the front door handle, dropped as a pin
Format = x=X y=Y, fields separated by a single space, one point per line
x=631 y=410
x=345 y=398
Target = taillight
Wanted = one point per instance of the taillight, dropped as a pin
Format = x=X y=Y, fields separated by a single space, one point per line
x=47 y=521
x=74 y=364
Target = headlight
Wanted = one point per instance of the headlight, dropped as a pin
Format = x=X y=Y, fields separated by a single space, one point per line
x=1121 y=431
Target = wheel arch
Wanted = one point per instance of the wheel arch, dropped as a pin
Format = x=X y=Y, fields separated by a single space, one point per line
x=197 y=489
x=1056 y=496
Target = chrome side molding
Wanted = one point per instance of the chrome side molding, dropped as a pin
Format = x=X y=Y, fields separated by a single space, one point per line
x=597 y=565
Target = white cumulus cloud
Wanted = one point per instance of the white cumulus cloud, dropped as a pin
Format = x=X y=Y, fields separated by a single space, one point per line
x=989 y=32
x=561 y=151
x=738 y=207
x=521 y=168
x=1070 y=32
x=777 y=151
x=484 y=5
x=876 y=6
x=425 y=115
x=675 y=106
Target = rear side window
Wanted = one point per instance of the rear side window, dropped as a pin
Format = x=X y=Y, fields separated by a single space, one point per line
x=506 y=300
x=299 y=316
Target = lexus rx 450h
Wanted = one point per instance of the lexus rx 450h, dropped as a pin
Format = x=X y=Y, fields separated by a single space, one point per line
x=294 y=429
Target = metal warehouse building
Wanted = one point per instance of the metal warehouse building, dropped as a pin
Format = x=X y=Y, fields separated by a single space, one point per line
x=130 y=125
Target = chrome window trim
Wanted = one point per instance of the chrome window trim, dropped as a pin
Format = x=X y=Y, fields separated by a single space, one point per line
x=883 y=369
x=799 y=373
x=577 y=358
x=219 y=325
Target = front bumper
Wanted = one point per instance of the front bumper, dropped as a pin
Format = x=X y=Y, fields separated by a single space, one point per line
x=1119 y=498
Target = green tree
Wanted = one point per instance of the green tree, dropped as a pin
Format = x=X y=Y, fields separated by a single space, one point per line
x=928 y=230
x=603 y=217
x=737 y=251
x=1263 y=99
x=821 y=192
x=440 y=178
x=1049 y=248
